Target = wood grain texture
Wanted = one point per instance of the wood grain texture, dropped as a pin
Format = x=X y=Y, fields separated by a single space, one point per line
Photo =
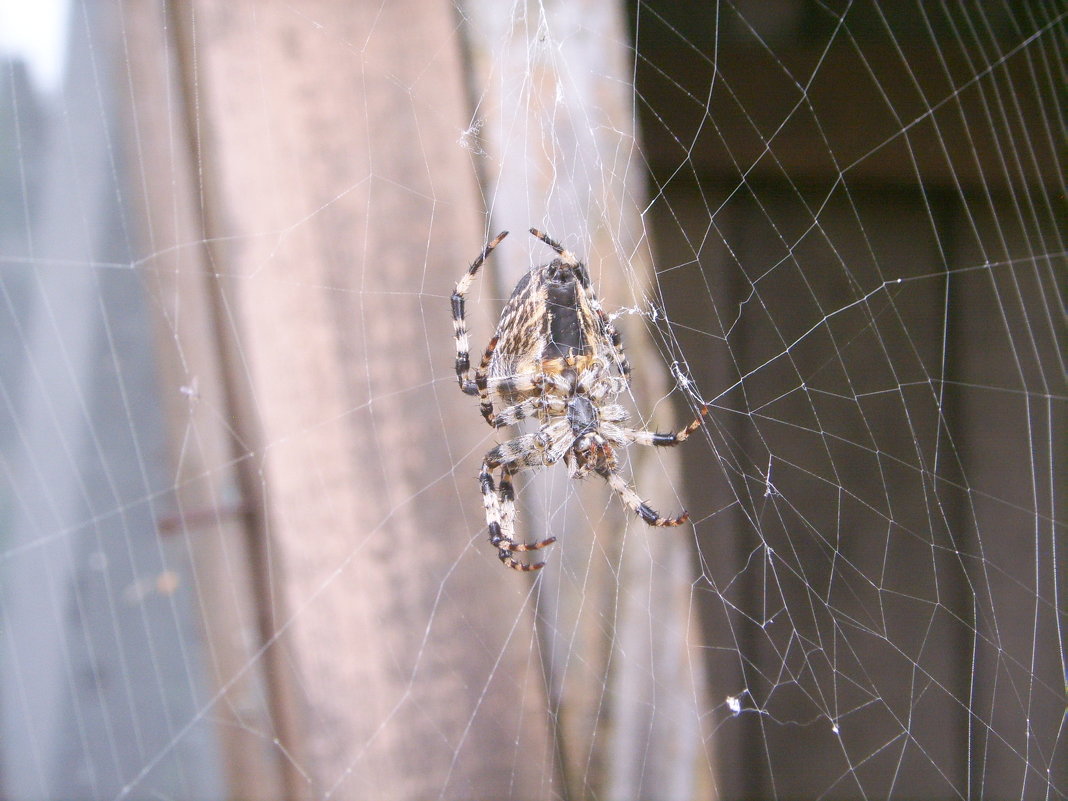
x=338 y=210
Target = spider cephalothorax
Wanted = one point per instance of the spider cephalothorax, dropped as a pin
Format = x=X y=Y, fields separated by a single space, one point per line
x=555 y=357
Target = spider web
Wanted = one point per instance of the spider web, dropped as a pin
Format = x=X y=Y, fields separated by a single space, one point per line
x=231 y=568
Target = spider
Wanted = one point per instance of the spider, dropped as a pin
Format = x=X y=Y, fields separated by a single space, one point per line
x=555 y=356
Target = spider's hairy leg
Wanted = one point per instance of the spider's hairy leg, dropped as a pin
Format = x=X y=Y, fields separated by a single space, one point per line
x=636 y=504
x=481 y=387
x=672 y=438
x=509 y=386
x=531 y=407
x=508 y=545
x=506 y=494
x=544 y=237
x=599 y=384
x=523 y=383
x=459 y=322
x=613 y=337
x=499 y=503
x=501 y=520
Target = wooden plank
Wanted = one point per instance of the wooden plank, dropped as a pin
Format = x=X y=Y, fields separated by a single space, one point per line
x=877 y=115
x=339 y=211
x=211 y=516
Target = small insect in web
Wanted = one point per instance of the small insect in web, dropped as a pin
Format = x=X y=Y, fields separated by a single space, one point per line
x=556 y=357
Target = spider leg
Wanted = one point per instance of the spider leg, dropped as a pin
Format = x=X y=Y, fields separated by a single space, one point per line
x=641 y=437
x=611 y=414
x=527 y=382
x=481 y=386
x=509 y=386
x=613 y=336
x=636 y=504
x=531 y=407
x=499 y=503
x=459 y=322
x=498 y=521
x=544 y=237
x=507 y=495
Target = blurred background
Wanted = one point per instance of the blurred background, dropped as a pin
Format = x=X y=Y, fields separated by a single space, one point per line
x=242 y=548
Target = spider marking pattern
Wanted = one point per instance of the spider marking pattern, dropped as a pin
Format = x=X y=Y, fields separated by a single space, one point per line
x=556 y=357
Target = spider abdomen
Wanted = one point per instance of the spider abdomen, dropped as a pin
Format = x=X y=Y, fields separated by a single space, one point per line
x=567 y=325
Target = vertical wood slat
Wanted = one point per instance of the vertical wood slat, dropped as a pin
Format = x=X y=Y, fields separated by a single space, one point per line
x=210 y=511
x=328 y=166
